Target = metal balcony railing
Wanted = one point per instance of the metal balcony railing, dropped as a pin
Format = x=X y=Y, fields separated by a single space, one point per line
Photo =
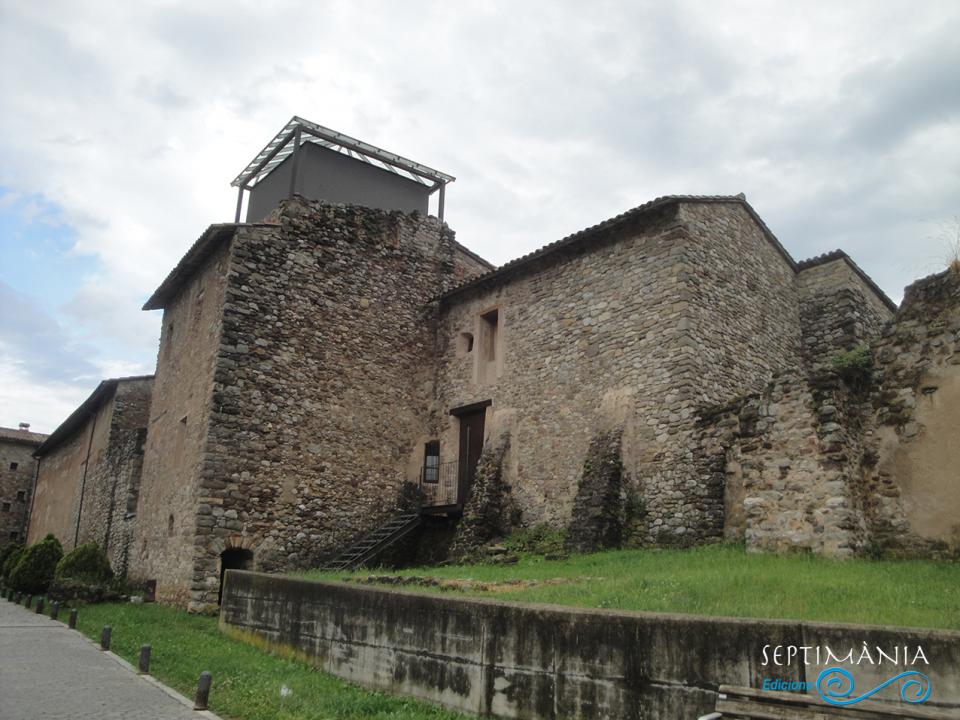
x=439 y=483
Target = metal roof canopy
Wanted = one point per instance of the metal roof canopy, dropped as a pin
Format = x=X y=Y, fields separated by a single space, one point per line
x=287 y=143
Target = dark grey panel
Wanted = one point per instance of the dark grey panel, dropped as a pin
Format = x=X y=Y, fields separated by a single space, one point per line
x=328 y=175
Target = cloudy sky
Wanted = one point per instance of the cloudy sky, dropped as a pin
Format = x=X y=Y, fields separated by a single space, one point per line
x=123 y=124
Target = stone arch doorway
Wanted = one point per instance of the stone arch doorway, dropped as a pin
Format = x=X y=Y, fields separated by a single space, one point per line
x=233 y=559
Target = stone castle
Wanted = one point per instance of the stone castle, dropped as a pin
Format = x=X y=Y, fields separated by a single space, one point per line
x=670 y=376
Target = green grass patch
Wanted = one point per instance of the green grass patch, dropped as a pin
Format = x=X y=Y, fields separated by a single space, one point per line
x=246 y=681
x=725 y=580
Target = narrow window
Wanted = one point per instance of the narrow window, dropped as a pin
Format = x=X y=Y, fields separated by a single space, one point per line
x=21 y=495
x=431 y=462
x=488 y=347
x=14 y=466
x=170 y=526
x=14 y=535
x=5 y=507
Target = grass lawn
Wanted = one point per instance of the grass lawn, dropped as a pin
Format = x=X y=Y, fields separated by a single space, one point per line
x=246 y=681
x=726 y=580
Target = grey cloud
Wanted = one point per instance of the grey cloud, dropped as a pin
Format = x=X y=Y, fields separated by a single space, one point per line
x=37 y=343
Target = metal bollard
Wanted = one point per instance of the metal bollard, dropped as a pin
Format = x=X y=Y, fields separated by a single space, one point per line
x=72 y=621
x=143 y=666
x=39 y=609
x=54 y=610
x=28 y=602
x=202 y=699
x=105 y=637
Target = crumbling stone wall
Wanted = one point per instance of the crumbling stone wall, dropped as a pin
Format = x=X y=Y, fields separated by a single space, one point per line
x=910 y=481
x=17 y=471
x=598 y=516
x=815 y=462
x=487 y=512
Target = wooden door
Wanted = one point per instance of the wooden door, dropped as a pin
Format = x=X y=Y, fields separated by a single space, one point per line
x=471 y=445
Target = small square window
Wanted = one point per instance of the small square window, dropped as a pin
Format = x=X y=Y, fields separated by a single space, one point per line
x=5 y=507
x=21 y=495
x=14 y=535
x=14 y=466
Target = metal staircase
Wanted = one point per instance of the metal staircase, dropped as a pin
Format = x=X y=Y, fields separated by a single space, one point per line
x=371 y=545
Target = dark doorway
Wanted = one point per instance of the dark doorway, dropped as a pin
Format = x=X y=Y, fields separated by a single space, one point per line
x=233 y=559
x=471 y=445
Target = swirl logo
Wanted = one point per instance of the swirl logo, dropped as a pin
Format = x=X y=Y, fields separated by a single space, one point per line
x=836 y=685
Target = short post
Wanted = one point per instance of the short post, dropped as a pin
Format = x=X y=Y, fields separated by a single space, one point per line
x=72 y=621
x=28 y=602
x=202 y=699
x=16 y=598
x=40 y=603
x=143 y=666
x=54 y=610
x=105 y=637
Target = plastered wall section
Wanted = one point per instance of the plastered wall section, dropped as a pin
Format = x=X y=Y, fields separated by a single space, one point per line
x=176 y=434
x=57 y=507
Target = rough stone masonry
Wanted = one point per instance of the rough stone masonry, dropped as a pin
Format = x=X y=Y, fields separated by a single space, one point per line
x=313 y=364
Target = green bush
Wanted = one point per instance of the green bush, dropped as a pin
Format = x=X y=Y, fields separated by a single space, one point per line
x=12 y=554
x=854 y=366
x=33 y=573
x=86 y=562
x=538 y=540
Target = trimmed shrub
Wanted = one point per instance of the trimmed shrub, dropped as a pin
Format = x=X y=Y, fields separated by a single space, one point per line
x=34 y=572
x=13 y=553
x=86 y=562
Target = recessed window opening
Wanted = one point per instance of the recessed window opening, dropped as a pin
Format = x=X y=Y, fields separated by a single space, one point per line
x=431 y=462
x=14 y=466
x=490 y=324
x=5 y=507
x=464 y=344
x=170 y=526
x=21 y=495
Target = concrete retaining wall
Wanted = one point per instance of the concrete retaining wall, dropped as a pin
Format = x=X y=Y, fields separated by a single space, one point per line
x=514 y=660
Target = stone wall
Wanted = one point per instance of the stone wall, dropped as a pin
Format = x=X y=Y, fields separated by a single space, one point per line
x=310 y=385
x=838 y=308
x=631 y=331
x=823 y=463
x=57 y=502
x=88 y=481
x=17 y=471
x=176 y=435
x=511 y=660
x=113 y=481
x=909 y=470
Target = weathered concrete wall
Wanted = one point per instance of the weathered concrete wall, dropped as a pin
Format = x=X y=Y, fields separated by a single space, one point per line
x=17 y=471
x=177 y=432
x=57 y=503
x=512 y=660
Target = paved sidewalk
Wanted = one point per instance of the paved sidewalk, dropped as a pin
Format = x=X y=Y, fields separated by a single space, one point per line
x=48 y=672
